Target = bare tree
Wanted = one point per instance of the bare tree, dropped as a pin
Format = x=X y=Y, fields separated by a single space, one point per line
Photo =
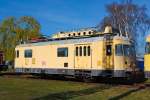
x=131 y=19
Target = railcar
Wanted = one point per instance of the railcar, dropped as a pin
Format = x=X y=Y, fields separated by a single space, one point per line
x=3 y=65
x=147 y=58
x=94 y=54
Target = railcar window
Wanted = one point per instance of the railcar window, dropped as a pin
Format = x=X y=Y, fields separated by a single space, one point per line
x=147 y=49
x=62 y=52
x=84 y=33
x=74 y=34
x=80 y=51
x=89 y=50
x=126 y=49
x=84 y=50
x=65 y=64
x=90 y=32
x=119 y=50
x=17 y=53
x=108 y=50
x=28 y=53
x=132 y=50
x=77 y=51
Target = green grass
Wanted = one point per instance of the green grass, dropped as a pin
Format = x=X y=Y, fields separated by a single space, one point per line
x=17 y=88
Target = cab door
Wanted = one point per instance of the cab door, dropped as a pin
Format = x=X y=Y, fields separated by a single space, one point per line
x=119 y=57
x=129 y=56
x=83 y=56
x=109 y=57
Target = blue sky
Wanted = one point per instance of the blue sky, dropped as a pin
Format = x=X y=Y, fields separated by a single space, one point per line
x=60 y=15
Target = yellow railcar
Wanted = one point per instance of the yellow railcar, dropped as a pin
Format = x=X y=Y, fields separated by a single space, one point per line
x=106 y=55
x=147 y=58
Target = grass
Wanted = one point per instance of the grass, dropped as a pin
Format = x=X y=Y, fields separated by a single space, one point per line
x=18 y=88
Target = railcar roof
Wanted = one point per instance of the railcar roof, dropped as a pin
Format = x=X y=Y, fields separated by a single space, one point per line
x=64 y=41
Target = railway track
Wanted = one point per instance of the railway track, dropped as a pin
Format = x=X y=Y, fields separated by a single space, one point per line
x=140 y=85
x=137 y=85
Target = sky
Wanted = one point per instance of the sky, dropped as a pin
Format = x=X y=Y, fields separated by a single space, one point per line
x=60 y=15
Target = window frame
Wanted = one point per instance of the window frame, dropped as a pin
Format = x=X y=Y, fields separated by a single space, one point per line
x=147 y=48
x=17 y=53
x=126 y=50
x=89 y=50
x=28 y=53
x=84 y=51
x=59 y=52
x=108 y=47
x=80 y=50
x=77 y=51
x=119 y=47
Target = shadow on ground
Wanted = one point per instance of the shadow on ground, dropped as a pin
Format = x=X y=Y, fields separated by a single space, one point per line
x=114 y=81
x=72 y=94
x=133 y=90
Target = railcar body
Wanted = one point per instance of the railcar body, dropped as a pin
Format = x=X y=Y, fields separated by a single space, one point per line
x=1 y=58
x=147 y=58
x=3 y=65
x=106 y=55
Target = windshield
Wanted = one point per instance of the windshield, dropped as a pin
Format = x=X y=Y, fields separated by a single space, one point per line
x=124 y=50
x=147 y=49
x=119 y=50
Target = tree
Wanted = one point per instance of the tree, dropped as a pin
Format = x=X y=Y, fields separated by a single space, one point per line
x=131 y=19
x=27 y=28
x=13 y=31
x=7 y=31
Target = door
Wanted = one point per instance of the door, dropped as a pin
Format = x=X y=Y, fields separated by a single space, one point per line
x=83 y=56
x=129 y=56
x=28 y=58
x=109 y=57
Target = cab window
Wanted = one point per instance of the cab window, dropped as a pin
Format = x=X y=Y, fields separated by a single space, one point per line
x=147 y=48
x=119 y=50
x=132 y=50
x=126 y=49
